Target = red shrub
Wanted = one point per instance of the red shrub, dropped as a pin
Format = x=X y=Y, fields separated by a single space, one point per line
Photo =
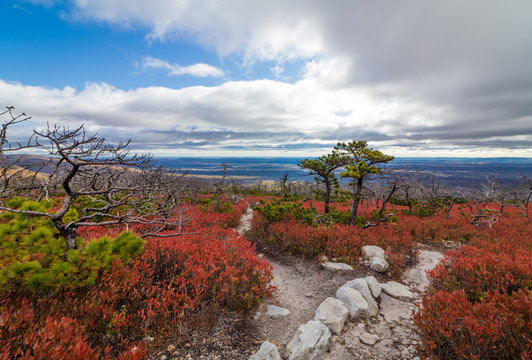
x=174 y=279
x=339 y=241
x=497 y=328
x=56 y=337
x=480 y=306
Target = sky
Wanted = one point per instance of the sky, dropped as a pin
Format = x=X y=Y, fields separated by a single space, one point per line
x=275 y=78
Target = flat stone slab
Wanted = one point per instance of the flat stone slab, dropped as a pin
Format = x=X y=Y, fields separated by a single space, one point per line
x=276 y=311
x=332 y=266
x=310 y=342
x=267 y=351
x=417 y=276
x=370 y=251
x=398 y=290
x=354 y=302
x=333 y=313
x=395 y=310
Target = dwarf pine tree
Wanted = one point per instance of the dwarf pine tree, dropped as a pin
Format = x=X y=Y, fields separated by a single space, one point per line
x=362 y=163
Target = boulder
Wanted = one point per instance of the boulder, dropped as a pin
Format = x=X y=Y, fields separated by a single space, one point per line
x=310 y=341
x=267 y=351
x=332 y=266
x=378 y=264
x=370 y=251
x=354 y=302
x=362 y=287
x=374 y=286
x=333 y=313
x=398 y=291
x=276 y=312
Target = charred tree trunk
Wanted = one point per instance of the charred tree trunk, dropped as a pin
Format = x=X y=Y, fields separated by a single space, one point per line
x=327 y=196
x=68 y=233
x=356 y=202
x=385 y=201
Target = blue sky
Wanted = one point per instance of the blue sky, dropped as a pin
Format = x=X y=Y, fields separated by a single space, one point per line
x=277 y=78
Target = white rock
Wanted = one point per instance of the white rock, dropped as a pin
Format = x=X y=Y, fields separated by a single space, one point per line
x=362 y=287
x=394 y=310
x=378 y=264
x=276 y=312
x=267 y=351
x=374 y=286
x=354 y=302
x=310 y=341
x=397 y=290
x=370 y=251
x=332 y=266
x=369 y=339
x=417 y=276
x=333 y=313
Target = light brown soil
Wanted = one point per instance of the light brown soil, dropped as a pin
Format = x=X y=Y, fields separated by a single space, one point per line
x=302 y=284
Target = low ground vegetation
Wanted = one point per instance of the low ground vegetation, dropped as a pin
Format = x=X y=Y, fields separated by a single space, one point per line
x=104 y=299
x=104 y=257
x=479 y=306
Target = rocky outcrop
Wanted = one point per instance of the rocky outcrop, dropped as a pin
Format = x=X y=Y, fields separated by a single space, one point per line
x=374 y=286
x=267 y=351
x=276 y=312
x=362 y=287
x=354 y=302
x=378 y=264
x=310 y=342
x=375 y=257
x=370 y=251
x=333 y=313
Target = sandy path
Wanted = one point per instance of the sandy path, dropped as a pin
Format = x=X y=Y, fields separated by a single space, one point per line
x=303 y=284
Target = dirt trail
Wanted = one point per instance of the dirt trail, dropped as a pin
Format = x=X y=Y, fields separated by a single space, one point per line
x=303 y=284
x=394 y=328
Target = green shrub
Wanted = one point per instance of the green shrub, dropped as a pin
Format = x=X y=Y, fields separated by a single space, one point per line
x=279 y=209
x=420 y=210
x=34 y=257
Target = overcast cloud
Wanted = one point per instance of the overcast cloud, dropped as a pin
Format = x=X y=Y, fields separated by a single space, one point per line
x=416 y=77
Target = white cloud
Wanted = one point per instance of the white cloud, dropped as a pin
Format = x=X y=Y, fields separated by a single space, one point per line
x=263 y=116
x=427 y=75
x=258 y=30
x=277 y=70
x=197 y=70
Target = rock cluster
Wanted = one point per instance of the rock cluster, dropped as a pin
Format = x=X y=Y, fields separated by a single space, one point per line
x=375 y=258
x=357 y=299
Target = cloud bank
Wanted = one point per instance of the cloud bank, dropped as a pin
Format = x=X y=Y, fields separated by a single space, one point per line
x=266 y=117
x=448 y=78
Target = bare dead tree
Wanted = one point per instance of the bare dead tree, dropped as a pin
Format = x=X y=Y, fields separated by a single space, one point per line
x=387 y=191
x=114 y=186
x=478 y=202
x=220 y=186
x=521 y=194
x=408 y=189
x=441 y=197
x=384 y=218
